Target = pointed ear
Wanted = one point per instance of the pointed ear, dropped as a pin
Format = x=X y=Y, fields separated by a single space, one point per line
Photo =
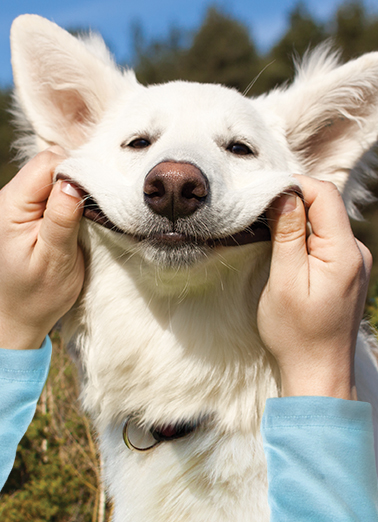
x=63 y=84
x=331 y=117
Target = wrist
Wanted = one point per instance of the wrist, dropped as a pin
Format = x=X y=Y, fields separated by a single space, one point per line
x=324 y=384
x=16 y=336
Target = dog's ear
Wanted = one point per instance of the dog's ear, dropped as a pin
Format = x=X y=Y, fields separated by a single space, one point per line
x=331 y=117
x=62 y=84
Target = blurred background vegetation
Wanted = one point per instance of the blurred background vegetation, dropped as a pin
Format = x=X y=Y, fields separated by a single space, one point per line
x=56 y=477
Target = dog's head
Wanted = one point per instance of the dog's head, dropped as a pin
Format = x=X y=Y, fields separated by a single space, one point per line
x=181 y=169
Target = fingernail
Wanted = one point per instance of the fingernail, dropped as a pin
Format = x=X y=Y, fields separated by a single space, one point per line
x=286 y=204
x=70 y=189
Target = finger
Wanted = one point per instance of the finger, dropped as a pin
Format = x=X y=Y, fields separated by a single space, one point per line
x=287 y=219
x=57 y=149
x=326 y=211
x=366 y=256
x=60 y=224
x=29 y=190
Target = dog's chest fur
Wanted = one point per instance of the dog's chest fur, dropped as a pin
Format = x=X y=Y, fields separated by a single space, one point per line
x=178 y=347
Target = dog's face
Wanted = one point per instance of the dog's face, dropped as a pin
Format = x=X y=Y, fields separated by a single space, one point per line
x=183 y=169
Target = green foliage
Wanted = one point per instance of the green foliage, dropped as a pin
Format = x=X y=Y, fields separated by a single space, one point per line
x=355 y=31
x=7 y=169
x=303 y=33
x=372 y=306
x=220 y=52
x=159 y=61
x=223 y=51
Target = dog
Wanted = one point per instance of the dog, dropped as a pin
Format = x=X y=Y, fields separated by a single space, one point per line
x=177 y=178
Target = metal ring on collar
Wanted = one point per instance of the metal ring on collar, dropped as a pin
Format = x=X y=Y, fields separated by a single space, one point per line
x=136 y=438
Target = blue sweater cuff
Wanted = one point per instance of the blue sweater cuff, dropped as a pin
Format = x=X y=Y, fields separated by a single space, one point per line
x=320 y=458
x=316 y=411
x=26 y=365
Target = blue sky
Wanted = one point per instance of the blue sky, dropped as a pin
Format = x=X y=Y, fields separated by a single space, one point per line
x=266 y=19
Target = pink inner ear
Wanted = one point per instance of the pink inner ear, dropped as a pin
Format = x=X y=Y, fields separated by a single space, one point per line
x=70 y=114
x=71 y=105
x=326 y=140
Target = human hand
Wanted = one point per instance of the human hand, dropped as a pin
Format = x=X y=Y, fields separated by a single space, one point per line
x=311 y=307
x=42 y=267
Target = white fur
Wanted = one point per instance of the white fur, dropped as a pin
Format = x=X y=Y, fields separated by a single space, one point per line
x=179 y=342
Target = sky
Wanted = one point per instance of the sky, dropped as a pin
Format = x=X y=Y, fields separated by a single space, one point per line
x=266 y=19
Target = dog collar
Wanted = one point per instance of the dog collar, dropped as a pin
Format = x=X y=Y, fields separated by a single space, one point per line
x=138 y=439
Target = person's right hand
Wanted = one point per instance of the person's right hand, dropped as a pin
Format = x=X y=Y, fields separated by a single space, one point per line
x=42 y=267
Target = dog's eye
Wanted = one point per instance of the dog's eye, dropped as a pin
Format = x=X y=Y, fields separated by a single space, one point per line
x=240 y=149
x=138 y=143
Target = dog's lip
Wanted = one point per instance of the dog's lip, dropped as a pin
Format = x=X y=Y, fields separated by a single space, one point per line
x=91 y=209
x=258 y=231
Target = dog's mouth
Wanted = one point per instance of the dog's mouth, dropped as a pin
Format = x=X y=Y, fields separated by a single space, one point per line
x=93 y=212
x=258 y=231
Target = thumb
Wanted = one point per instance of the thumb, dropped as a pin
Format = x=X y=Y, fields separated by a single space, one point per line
x=287 y=220
x=60 y=224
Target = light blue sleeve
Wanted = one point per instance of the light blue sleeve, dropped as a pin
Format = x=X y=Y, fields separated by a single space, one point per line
x=22 y=376
x=320 y=456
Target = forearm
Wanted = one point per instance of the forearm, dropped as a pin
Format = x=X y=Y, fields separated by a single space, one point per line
x=22 y=377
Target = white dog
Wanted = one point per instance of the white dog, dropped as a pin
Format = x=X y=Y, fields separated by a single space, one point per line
x=178 y=177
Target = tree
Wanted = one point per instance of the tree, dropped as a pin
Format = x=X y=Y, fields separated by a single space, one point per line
x=220 y=52
x=355 y=31
x=303 y=33
x=160 y=60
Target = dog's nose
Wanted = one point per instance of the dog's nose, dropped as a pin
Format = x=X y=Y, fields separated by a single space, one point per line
x=175 y=190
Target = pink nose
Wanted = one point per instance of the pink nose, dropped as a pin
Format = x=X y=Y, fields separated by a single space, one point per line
x=175 y=190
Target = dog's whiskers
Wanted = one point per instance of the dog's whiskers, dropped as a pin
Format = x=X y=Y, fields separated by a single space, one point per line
x=227 y=265
x=252 y=83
